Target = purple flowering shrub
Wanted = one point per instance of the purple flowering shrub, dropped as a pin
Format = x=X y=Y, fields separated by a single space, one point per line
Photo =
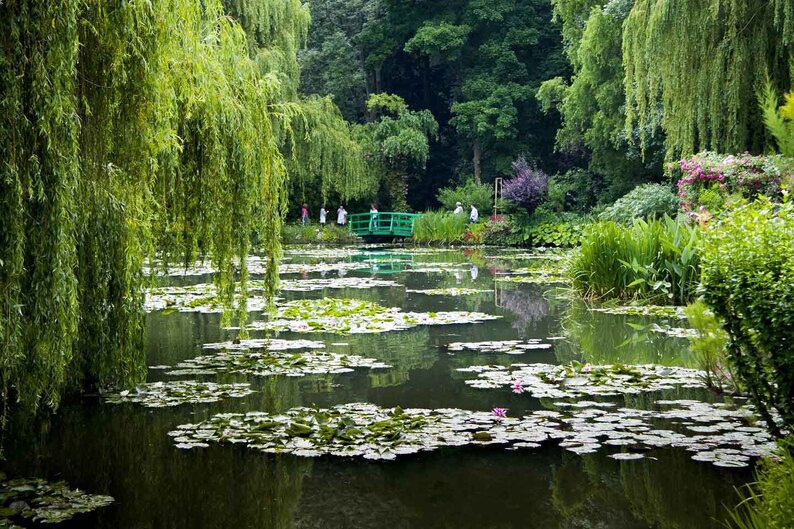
x=707 y=179
x=528 y=188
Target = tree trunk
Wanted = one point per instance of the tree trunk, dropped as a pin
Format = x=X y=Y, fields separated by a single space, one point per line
x=476 y=160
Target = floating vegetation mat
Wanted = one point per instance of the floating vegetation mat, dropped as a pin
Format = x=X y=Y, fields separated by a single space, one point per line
x=202 y=297
x=450 y=291
x=536 y=279
x=308 y=285
x=352 y=316
x=560 y=381
x=715 y=433
x=272 y=363
x=269 y=344
x=550 y=255
x=662 y=311
x=306 y=268
x=254 y=263
x=675 y=332
x=176 y=392
x=363 y=430
x=511 y=347
x=44 y=502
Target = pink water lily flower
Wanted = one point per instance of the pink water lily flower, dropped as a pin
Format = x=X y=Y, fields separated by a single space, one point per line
x=587 y=368
x=500 y=412
x=518 y=388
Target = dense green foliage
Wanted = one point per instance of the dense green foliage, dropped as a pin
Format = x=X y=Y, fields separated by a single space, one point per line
x=709 y=346
x=475 y=65
x=592 y=103
x=126 y=127
x=748 y=271
x=655 y=260
x=468 y=193
x=644 y=201
x=398 y=144
x=692 y=69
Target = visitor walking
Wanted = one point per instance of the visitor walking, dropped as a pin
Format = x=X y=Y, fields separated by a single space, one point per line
x=323 y=214
x=341 y=216
x=474 y=215
x=373 y=216
x=458 y=208
x=305 y=214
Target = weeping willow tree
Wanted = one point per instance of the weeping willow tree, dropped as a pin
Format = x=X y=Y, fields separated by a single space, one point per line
x=127 y=128
x=693 y=68
x=323 y=158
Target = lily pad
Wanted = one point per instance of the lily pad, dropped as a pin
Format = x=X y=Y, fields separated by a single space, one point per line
x=272 y=363
x=45 y=502
x=560 y=381
x=176 y=392
x=454 y=292
x=351 y=316
x=511 y=347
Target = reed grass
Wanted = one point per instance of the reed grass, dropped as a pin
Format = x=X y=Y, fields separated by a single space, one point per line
x=439 y=228
x=654 y=260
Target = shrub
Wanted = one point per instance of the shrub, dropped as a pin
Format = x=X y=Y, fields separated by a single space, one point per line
x=710 y=346
x=481 y=195
x=574 y=190
x=440 y=227
x=769 y=503
x=748 y=273
x=653 y=260
x=743 y=174
x=563 y=230
x=528 y=188
x=644 y=201
x=313 y=234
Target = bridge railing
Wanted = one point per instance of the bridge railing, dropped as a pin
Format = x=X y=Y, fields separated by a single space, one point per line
x=382 y=223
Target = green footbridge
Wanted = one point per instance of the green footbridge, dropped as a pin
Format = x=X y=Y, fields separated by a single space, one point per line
x=382 y=224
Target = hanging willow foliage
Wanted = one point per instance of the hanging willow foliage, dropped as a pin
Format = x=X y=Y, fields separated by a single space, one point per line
x=693 y=68
x=324 y=154
x=315 y=139
x=126 y=127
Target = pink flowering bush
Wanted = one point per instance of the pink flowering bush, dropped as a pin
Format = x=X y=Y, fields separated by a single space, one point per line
x=707 y=180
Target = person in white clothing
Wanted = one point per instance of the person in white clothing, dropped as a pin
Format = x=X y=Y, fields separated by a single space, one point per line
x=458 y=208
x=474 y=216
x=323 y=215
x=373 y=217
x=341 y=216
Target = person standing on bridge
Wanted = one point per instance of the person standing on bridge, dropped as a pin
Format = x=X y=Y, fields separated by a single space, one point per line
x=458 y=208
x=323 y=215
x=341 y=216
x=373 y=217
x=474 y=216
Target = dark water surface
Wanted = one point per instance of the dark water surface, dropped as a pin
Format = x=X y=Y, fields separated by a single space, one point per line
x=124 y=450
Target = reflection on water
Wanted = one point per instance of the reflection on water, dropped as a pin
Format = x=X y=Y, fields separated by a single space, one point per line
x=124 y=450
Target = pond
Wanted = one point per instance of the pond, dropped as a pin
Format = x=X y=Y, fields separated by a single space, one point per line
x=504 y=436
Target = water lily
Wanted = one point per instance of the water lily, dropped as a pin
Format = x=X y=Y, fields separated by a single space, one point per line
x=587 y=368
x=500 y=412
x=518 y=388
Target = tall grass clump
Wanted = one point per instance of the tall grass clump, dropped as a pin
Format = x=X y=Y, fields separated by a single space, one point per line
x=440 y=228
x=653 y=260
x=768 y=503
x=315 y=234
